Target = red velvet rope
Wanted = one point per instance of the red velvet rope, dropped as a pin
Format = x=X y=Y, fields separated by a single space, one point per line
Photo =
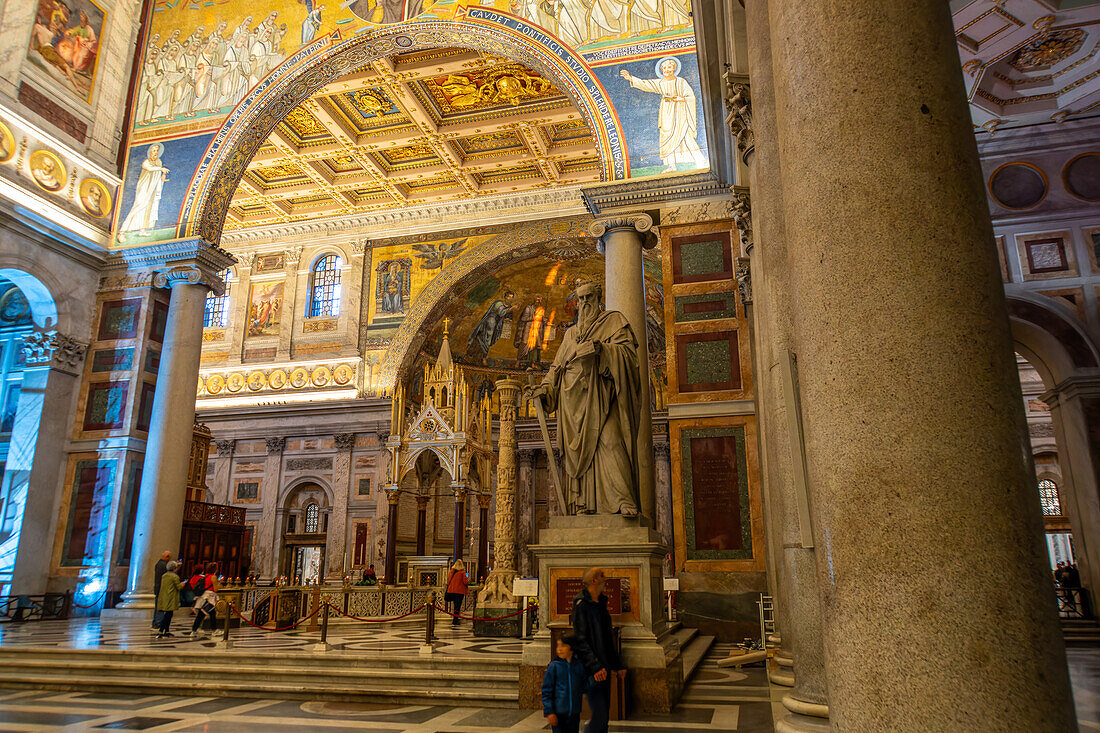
x=263 y=628
x=482 y=618
x=375 y=620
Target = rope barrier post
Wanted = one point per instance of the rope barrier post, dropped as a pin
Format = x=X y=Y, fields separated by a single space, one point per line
x=323 y=645
x=225 y=643
x=428 y=647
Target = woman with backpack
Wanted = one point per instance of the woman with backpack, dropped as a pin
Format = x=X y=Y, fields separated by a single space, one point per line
x=206 y=601
x=457 y=585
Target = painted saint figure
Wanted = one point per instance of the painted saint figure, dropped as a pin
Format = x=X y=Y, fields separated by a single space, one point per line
x=676 y=122
x=143 y=215
x=488 y=329
x=529 y=330
x=393 y=286
x=312 y=23
x=593 y=385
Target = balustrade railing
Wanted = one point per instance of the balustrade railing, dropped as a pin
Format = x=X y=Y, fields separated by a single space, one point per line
x=15 y=609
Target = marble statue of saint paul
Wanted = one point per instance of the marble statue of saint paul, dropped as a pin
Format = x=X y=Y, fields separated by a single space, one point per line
x=594 y=386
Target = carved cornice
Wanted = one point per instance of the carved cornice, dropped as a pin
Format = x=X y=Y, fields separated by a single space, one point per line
x=276 y=445
x=52 y=348
x=192 y=261
x=225 y=447
x=742 y=217
x=344 y=441
x=652 y=192
x=744 y=280
x=639 y=222
x=448 y=215
x=739 y=113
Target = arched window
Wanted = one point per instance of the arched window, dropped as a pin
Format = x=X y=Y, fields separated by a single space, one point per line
x=1048 y=496
x=217 y=306
x=324 y=287
x=311 y=519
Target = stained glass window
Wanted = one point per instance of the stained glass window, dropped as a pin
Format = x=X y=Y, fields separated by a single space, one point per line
x=324 y=290
x=1048 y=495
x=311 y=519
x=216 y=314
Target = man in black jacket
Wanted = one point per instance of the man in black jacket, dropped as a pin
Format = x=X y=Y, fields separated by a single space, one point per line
x=596 y=646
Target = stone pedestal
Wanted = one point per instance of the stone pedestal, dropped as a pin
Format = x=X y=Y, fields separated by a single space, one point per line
x=632 y=554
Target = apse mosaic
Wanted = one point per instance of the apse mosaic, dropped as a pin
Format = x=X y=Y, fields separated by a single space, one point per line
x=498 y=124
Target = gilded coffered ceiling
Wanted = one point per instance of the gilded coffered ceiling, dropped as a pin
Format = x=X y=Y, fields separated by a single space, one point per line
x=415 y=129
x=1029 y=61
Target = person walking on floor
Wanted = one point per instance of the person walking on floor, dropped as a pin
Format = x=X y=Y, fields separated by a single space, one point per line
x=562 y=687
x=158 y=573
x=595 y=645
x=206 y=602
x=168 y=598
x=457 y=585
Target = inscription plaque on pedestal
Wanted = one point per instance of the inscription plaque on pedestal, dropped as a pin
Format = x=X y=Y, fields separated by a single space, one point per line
x=566 y=584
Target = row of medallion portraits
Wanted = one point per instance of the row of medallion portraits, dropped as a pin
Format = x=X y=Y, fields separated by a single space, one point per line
x=201 y=60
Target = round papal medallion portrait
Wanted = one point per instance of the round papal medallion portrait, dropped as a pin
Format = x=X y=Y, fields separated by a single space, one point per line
x=277 y=379
x=321 y=376
x=256 y=381
x=215 y=383
x=343 y=374
x=7 y=144
x=299 y=378
x=235 y=382
x=95 y=198
x=47 y=171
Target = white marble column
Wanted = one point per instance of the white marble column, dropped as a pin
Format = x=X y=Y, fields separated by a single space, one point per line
x=338 y=524
x=268 y=539
x=168 y=448
x=622 y=238
x=42 y=420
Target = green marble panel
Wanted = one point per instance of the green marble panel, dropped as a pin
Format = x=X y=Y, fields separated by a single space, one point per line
x=708 y=362
x=702 y=258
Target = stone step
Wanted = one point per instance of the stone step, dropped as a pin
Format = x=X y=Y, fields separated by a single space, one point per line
x=694 y=653
x=235 y=658
x=229 y=687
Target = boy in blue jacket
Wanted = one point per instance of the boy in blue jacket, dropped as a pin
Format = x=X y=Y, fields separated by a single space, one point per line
x=563 y=688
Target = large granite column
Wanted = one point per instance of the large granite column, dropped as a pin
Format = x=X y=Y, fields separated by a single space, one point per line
x=42 y=423
x=338 y=563
x=621 y=240
x=393 y=496
x=662 y=480
x=269 y=538
x=497 y=592
x=483 y=502
x=458 y=536
x=525 y=507
x=421 y=522
x=797 y=597
x=223 y=469
x=937 y=603
x=159 y=515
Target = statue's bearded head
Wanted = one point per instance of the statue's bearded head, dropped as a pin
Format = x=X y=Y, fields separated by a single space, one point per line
x=588 y=303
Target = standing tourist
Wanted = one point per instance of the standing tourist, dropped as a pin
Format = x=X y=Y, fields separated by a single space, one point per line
x=457 y=585
x=206 y=603
x=158 y=573
x=168 y=598
x=595 y=644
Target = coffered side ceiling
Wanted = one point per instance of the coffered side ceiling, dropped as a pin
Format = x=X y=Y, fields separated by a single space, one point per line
x=1029 y=61
x=415 y=129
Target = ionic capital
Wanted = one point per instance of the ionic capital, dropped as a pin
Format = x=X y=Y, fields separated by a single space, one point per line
x=639 y=222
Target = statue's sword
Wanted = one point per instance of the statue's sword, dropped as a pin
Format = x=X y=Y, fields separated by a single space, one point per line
x=551 y=462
